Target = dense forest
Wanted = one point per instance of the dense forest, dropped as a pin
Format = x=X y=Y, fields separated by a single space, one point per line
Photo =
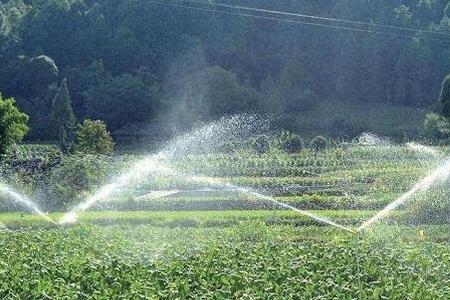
x=142 y=66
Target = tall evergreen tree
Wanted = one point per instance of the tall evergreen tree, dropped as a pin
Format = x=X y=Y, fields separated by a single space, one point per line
x=63 y=116
x=444 y=98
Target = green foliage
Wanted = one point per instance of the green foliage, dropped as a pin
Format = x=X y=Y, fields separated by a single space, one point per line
x=26 y=77
x=251 y=261
x=343 y=125
x=224 y=94
x=83 y=78
x=210 y=93
x=186 y=67
x=429 y=208
x=93 y=137
x=435 y=128
x=290 y=142
x=444 y=98
x=13 y=124
x=295 y=87
x=62 y=107
x=319 y=143
x=32 y=82
x=372 y=176
x=261 y=144
x=73 y=178
x=27 y=167
x=123 y=99
x=63 y=116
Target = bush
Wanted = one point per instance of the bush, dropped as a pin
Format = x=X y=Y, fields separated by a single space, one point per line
x=435 y=128
x=92 y=137
x=13 y=124
x=291 y=143
x=319 y=143
x=261 y=144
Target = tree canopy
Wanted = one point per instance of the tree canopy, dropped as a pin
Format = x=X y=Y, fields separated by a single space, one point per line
x=94 y=138
x=13 y=124
x=444 y=98
x=133 y=61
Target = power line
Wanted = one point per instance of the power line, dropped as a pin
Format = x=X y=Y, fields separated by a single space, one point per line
x=237 y=7
x=373 y=32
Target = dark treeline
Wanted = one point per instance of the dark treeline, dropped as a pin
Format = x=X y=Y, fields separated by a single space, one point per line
x=140 y=65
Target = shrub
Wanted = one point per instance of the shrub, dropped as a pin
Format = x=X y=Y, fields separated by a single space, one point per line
x=93 y=137
x=13 y=124
x=319 y=143
x=291 y=143
x=261 y=144
x=435 y=128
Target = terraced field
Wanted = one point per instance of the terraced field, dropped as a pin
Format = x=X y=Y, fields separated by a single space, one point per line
x=175 y=238
x=356 y=177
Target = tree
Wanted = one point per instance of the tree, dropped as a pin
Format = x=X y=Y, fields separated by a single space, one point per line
x=214 y=92
x=444 y=98
x=94 y=138
x=295 y=87
x=28 y=77
x=128 y=98
x=32 y=82
x=13 y=124
x=80 y=80
x=291 y=143
x=413 y=79
x=63 y=116
x=435 y=128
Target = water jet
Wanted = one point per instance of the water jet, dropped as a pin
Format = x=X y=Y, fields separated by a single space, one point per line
x=22 y=199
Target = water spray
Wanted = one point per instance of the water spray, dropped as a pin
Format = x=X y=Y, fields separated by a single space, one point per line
x=252 y=192
x=25 y=201
x=438 y=175
x=139 y=170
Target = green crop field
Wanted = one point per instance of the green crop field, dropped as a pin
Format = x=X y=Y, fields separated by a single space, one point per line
x=246 y=261
x=224 y=149
x=208 y=241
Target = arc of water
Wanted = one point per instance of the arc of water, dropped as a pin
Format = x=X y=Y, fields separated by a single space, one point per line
x=25 y=201
x=156 y=195
x=155 y=162
x=139 y=170
x=423 y=149
x=438 y=175
x=252 y=192
x=3 y=227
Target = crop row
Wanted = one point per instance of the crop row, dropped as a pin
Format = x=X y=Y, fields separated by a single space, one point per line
x=249 y=261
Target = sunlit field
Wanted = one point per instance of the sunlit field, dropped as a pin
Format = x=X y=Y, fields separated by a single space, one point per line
x=204 y=240
x=226 y=149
